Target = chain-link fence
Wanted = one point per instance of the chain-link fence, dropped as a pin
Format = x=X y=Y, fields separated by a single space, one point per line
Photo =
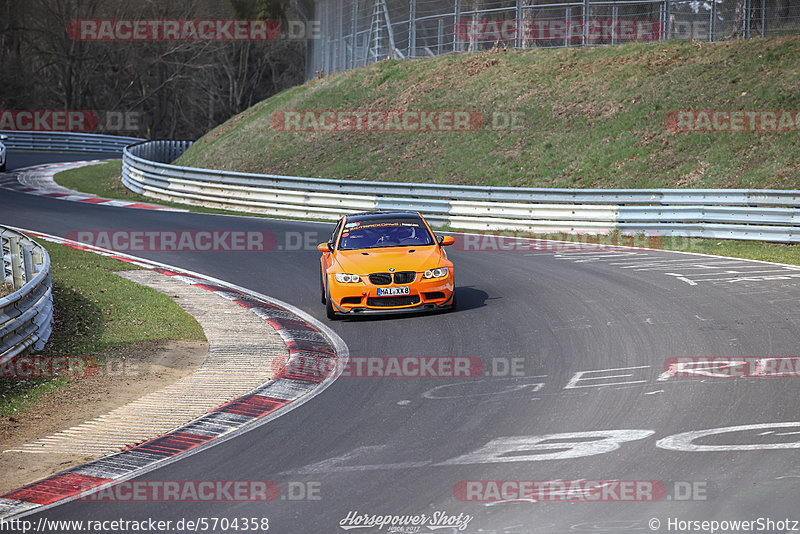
x=355 y=33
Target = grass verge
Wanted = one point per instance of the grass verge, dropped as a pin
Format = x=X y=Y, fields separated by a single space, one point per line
x=105 y=180
x=97 y=314
x=582 y=117
x=98 y=180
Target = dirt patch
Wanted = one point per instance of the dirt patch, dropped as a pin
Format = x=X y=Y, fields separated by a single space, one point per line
x=136 y=370
x=5 y=289
x=484 y=60
x=694 y=177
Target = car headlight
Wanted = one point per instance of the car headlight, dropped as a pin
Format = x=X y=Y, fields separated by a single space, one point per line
x=347 y=278
x=439 y=272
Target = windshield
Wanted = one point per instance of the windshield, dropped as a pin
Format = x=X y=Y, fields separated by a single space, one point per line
x=375 y=234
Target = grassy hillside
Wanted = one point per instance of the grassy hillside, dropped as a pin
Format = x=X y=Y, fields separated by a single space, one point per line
x=590 y=118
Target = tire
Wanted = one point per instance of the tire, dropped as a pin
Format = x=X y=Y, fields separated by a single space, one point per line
x=3 y=167
x=453 y=306
x=329 y=311
x=321 y=288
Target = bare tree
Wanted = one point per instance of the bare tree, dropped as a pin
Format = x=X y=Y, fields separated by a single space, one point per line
x=179 y=88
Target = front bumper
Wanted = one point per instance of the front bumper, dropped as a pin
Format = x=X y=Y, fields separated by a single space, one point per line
x=417 y=308
x=348 y=299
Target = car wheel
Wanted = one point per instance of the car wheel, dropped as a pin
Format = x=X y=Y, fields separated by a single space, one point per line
x=3 y=167
x=321 y=288
x=329 y=311
x=453 y=305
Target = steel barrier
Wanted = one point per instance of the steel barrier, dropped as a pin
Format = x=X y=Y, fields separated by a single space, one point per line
x=26 y=315
x=750 y=214
x=66 y=141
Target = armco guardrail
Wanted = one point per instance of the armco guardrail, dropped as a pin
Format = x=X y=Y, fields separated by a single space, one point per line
x=66 y=141
x=753 y=214
x=26 y=315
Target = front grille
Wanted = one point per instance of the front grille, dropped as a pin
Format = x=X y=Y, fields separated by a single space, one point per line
x=404 y=277
x=433 y=295
x=351 y=300
x=384 y=279
x=381 y=279
x=404 y=300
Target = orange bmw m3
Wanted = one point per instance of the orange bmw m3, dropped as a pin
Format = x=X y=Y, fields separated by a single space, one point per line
x=385 y=262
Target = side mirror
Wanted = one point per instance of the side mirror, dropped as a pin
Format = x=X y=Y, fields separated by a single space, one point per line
x=324 y=247
x=446 y=240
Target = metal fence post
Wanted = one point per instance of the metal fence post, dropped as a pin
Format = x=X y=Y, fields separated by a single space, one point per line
x=473 y=38
x=440 y=38
x=667 y=16
x=353 y=34
x=389 y=30
x=369 y=37
x=744 y=18
x=712 y=27
x=568 y=17
x=331 y=47
x=340 y=48
x=614 y=18
x=763 y=18
x=325 y=41
x=412 y=28
x=748 y=15
x=456 y=16
x=585 y=32
x=517 y=23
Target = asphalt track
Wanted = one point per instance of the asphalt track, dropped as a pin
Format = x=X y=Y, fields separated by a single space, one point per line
x=401 y=445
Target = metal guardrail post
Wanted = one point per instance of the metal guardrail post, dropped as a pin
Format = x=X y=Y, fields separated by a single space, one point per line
x=27 y=262
x=26 y=315
x=37 y=258
x=17 y=273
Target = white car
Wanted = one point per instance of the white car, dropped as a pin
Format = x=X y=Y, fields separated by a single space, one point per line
x=3 y=153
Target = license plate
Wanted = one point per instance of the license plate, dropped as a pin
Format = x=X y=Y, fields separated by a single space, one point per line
x=390 y=291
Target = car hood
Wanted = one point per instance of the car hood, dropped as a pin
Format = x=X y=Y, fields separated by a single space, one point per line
x=377 y=260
